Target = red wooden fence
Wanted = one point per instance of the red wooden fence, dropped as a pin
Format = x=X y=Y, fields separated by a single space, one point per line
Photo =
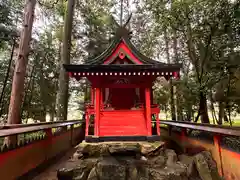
x=227 y=159
x=37 y=144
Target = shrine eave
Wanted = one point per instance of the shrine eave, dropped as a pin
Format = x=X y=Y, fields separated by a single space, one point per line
x=123 y=68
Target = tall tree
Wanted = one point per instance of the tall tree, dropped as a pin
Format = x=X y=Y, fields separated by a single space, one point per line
x=20 y=67
x=7 y=74
x=172 y=102
x=62 y=102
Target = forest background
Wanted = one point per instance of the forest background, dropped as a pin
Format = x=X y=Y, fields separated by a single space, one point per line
x=203 y=35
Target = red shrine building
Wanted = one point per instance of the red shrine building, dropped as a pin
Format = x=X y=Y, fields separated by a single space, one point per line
x=121 y=81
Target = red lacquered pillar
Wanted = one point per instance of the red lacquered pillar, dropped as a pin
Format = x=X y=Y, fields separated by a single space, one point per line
x=97 y=111
x=148 y=111
x=101 y=97
x=87 y=124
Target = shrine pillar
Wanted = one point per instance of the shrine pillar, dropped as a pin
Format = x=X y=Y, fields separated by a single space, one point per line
x=97 y=111
x=137 y=90
x=148 y=110
x=92 y=96
x=101 y=97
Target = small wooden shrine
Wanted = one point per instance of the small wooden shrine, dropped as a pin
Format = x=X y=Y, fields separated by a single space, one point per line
x=121 y=90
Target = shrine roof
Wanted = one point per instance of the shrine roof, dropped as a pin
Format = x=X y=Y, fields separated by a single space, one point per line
x=122 y=35
x=121 y=43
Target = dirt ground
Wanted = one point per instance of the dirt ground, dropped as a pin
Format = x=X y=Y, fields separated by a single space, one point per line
x=51 y=172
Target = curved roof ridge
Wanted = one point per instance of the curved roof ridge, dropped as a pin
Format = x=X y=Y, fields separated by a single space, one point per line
x=122 y=34
x=138 y=53
x=105 y=53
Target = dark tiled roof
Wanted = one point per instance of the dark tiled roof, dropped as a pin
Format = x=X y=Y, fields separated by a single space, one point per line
x=122 y=34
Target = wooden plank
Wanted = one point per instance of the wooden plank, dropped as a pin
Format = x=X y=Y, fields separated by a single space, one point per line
x=10 y=126
x=34 y=128
x=232 y=131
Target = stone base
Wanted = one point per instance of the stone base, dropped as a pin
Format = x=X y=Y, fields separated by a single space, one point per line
x=95 y=139
x=137 y=161
x=112 y=148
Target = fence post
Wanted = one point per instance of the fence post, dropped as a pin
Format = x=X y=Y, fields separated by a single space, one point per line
x=49 y=136
x=72 y=134
x=217 y=147
x=169 y=130
x=49 y=133
x=183 y=138
x=183 y=134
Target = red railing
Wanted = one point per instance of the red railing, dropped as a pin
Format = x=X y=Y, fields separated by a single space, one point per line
x=27 y=128
x=227 y=160
x=37 y=143
x=34 y=144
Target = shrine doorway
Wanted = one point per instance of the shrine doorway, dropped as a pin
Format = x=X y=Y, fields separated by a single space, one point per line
x=122 y=98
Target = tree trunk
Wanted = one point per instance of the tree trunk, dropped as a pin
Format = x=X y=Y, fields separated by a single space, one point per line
x=189 y=113
x=172 y=104
x=7 y=76
x=62 y=106
x=52 y=113
x=175 y=51
x=229 y=116
x=20 y=68
x=221 y=112
x=203 y=110
x=26 y=91
x=213 y=113
x=30 y=97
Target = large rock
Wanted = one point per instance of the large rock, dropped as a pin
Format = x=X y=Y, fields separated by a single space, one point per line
x=65 y=174
x=124 y=148
x=176 y=172
x=150 y=149
x=157 y=161
x=200 y=166
x=93 y=149
x=93 y=174
x=79 y=171
x=206 y=166
x=191 y=167
x=133 y=173
x=110 y=169
x=171 y=157
x=137 y=161
x=212 y=165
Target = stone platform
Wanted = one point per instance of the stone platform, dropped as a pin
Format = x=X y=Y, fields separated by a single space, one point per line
x=95 y=139
x=136 y=161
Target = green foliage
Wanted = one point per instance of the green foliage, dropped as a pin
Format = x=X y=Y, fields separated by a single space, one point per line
x=207 y=35
x=9 y=13
x=208 y=46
